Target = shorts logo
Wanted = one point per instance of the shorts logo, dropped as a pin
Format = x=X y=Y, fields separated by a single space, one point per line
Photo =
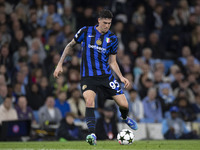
x=118 y=91
x=84 y=87
x=99 y=42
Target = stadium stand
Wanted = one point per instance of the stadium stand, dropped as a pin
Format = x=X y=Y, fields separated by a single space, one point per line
x=159 y=48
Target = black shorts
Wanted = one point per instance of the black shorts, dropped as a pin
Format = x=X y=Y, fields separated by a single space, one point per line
x=107 y=83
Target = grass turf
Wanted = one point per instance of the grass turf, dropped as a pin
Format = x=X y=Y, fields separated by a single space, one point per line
x=103 y=145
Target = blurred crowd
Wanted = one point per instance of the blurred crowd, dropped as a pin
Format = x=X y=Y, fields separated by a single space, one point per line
x=159 y=52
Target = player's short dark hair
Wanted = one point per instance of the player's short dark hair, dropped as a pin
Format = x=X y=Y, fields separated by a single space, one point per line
x=105 y=14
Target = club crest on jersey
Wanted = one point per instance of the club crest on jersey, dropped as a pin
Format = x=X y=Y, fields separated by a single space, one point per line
x=84 y=87
x=107 y=40
x=99 y=42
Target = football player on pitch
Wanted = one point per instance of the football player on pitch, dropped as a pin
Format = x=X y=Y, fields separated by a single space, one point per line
x=99 y=49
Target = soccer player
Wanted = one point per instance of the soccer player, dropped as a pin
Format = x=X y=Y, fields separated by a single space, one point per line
x=99 y=49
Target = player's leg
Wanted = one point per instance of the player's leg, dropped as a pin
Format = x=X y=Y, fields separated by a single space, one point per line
x=123 y=107
x=89 y=97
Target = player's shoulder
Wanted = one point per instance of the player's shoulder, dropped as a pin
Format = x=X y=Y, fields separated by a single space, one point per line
x=112 y=36
x=83 y=28
x=86 y=28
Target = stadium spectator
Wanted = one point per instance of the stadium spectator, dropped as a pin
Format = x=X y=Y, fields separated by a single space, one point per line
x=155 y=46
x=147 y=57
x=20 y=78
x=196 y=107
x=195 y=35
x=67 y=130
x=23 y=4
x=35 y=100
x=24 y=112
x=75 y=63
x=77 y=104
x=86 y=18
x=5 y=76
x=73 y=81
x=181 y=13
x=5 y=58
x=36 y=47
x=194 y=85
x=175 y=127
x=32 y=22
x=159 y=66
x=158 y=78
x=138 y=17
x=186 y=52
x=52 y=64
x=136 y=109
x=133 y=50
x=17 y=41
x=60 y=85
x=152 y=107
x=185 y=110
x=20 y=53
x=106 y=125
x=178 y=77
x=69 y=18
x=6 y=37
x=34 y=63
x=44 y=87
x=146 y=84
x=16 y=92
x=126 y=64
x=137 y=71
x=142 y=41
x=7 y=7
x=173 y=70
x=51 y=13
x=62 y=104
x=118 y=29
x=48 y=114
x=3 y=92
x=184 y=87
x=171 y=30
x=7 y=111
x=166 y=97
x=36 y=75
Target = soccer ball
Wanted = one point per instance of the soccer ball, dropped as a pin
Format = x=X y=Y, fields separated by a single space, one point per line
x=125 y=137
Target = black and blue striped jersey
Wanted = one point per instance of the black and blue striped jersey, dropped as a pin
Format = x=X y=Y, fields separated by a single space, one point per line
x=96 y=49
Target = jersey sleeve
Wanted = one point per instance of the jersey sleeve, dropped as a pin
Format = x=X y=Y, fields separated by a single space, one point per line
x=114 y=46
x=79 y=36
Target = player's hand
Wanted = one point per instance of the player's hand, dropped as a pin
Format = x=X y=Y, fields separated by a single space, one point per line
x=125 y=81
x=58 y=71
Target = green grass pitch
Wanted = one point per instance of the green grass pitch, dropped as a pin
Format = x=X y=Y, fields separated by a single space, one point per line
x=103 y=145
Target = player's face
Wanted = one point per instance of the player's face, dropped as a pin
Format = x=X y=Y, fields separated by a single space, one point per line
x=104 y=24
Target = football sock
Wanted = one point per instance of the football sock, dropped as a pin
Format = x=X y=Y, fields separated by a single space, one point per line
x=124 y=112
x=90 y=119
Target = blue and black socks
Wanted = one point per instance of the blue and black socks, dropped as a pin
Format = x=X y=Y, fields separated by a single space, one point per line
x=90 y=119
x=124 y=112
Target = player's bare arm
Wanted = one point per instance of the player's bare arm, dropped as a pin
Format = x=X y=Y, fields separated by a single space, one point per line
x=114 y=66
x=59 y=68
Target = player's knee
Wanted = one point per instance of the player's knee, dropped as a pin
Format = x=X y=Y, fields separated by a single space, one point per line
x=89 y=102
x=124 y=106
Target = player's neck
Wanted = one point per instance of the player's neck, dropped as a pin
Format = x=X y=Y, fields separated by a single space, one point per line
x=98 y=28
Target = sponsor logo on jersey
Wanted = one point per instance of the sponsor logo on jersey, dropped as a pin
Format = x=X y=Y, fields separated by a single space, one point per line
x=99 y=49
